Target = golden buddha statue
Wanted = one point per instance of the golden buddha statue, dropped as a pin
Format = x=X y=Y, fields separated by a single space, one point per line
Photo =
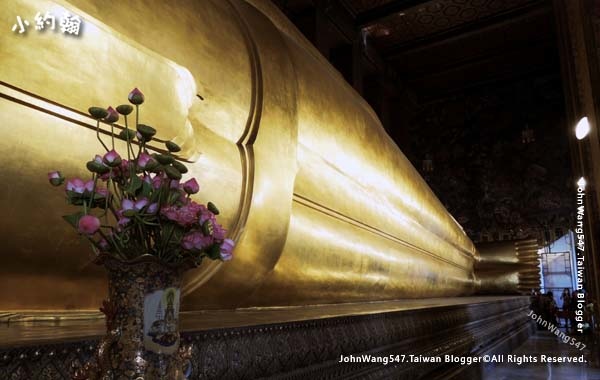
x=323 y=205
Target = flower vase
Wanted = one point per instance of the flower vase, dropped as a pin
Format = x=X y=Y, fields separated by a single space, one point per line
x=142 y=323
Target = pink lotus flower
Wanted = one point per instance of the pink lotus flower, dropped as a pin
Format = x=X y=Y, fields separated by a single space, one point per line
x=136 y=96
x=184 y=215
x=112 y=158
x=205 y=215
x=218 y=231
x=113 y=115
x=76 y=185
x=140 y=204
x=196 y=241
x=119 y=171
x=157 y=181
x=55 y=178
x=144 y=159
x=89 y=186
x=88 y=224
x=123 y=221
x=124 y=168
x=152 y=209
x=191 y=186
x=227 y=249
x=127 y=204
x=174 y=184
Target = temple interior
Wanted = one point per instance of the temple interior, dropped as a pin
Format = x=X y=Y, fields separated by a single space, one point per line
x=406 y=189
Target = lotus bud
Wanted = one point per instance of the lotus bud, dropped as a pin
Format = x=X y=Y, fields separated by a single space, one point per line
x=191 y=186
x=146 y=131
x=103 y=244
x=112 y=159
x=112 y=117
x=88 y=224
x=97 y=112
x=146 y=161
x=124 y=109
x=127 y=135
x=172 y=147
x=212 y=208
x=179 y=166
x=172 y=172
x=136 y=96
x=55 y=178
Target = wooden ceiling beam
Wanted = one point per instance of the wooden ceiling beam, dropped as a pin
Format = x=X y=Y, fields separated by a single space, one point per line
x=374 y=15
x=492 y=21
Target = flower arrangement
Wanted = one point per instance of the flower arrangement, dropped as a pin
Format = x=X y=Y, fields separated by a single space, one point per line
x=139 y=205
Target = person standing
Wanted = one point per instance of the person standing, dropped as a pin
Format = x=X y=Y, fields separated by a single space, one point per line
x=566 y=305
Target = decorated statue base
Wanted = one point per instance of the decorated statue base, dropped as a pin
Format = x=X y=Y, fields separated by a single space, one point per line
x=142 y=321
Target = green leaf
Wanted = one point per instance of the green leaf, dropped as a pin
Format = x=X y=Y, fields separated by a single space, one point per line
x=74 y=198
x=134 y=185
x=146 y=189
x=214 y=252
x=173 y=196
x=73 y=219
x=96 y=167
x=129 y=213
x=164 y=159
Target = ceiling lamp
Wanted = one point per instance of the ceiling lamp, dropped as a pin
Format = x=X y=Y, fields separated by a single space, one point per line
x=582 y=129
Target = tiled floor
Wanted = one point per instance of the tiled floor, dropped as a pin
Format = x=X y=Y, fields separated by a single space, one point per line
x=546 y=343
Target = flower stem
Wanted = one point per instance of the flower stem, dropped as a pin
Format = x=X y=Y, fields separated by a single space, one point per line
x=98 y=135
x=95 y=178
x=112 y=135
x=112 y=209
x=130 y=151
x=111 y=238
